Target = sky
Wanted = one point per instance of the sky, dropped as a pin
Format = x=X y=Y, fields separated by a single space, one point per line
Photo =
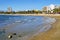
x=18 y=5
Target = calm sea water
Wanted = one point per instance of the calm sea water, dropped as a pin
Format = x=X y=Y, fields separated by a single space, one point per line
x=23 y=25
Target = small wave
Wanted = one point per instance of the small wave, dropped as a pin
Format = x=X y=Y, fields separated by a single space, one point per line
x=50 y=20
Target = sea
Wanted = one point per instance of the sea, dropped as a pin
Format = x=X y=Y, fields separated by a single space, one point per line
x=24 y=26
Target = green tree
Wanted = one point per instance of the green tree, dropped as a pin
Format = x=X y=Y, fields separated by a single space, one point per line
x=56 y=10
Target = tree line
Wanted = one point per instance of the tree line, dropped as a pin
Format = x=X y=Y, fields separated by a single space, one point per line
x=56 y=10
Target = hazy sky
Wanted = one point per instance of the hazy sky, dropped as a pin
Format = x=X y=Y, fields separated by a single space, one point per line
x=26 y=4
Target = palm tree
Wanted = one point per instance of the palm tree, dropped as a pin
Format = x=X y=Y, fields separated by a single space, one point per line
x=56 y=10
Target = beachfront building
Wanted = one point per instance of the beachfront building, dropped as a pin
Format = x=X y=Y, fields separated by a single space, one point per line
x=9 y=9
x=45 y=9
x=49 y=9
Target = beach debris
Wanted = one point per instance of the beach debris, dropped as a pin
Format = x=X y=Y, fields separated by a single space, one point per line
x=19 y=36
x=14 y=33
x=10 y=36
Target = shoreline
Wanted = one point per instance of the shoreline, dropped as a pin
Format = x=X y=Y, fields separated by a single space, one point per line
x=52 y=34
x=33 y=14
x=38 y=33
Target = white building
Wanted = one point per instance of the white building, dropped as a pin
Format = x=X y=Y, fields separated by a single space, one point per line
x=9 y=9
x=51 y=7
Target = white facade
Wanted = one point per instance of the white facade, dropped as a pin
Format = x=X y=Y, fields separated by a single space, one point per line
x=9 y=9
x=50 y=8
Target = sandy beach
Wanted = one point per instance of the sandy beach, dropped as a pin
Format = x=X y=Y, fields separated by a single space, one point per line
x=33 y=14
x=52 y=34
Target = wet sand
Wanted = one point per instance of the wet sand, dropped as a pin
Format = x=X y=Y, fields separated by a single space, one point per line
x=52 y=34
